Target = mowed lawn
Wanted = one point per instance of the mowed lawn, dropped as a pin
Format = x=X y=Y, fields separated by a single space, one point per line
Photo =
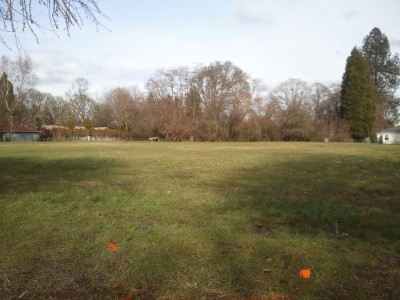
x=199 y=220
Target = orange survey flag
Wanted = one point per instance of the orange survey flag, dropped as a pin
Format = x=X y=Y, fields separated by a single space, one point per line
x=305 y=273
x=112 y=246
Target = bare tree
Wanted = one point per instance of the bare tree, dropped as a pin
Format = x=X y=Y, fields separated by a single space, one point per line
x=34 y=101
x=121 y=104
x=81 y=105
x=326 y=113
x=169 y=91
x=225 y=98
x=20 y=73
x=24 y=76
x=258 y=90
x=319 y=98
x=209 y=103
x=22 y=15
x=290 y=102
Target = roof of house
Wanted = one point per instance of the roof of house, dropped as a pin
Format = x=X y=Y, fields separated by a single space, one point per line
x=18 y=129
x=391 y=130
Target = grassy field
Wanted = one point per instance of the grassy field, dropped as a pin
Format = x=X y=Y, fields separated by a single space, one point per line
x=199 y=220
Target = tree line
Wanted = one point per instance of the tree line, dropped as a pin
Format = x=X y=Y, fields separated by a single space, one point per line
x=218 y=102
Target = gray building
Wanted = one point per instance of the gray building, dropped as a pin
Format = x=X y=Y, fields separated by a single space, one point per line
x=19 y=134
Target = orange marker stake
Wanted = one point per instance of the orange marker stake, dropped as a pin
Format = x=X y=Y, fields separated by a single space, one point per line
x=305 y=273
x=112 y=246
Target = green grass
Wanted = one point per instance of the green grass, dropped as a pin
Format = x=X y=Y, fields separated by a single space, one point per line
x=199 y=220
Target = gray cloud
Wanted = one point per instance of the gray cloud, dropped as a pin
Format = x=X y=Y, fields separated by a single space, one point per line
x=351 y=14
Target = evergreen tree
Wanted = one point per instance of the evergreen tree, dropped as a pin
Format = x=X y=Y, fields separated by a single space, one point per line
x=7 y=101
x=385 y=72
x=357 y=96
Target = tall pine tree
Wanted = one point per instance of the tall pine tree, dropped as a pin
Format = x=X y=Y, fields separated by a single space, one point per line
x=357 y=96
x=385 y=72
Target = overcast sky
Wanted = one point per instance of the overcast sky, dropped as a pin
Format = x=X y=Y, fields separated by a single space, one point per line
x=268 y=39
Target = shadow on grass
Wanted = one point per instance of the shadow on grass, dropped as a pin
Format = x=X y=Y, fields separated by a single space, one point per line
x=309 y=195
x=30 y=174
x=294 y=205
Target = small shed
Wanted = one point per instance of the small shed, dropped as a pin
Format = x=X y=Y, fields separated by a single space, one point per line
x=389 y=136
x=19 y=134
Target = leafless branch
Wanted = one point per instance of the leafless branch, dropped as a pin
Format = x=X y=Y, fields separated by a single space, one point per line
x=22 y=15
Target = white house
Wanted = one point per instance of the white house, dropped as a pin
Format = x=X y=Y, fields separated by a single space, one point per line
x=389 y=136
